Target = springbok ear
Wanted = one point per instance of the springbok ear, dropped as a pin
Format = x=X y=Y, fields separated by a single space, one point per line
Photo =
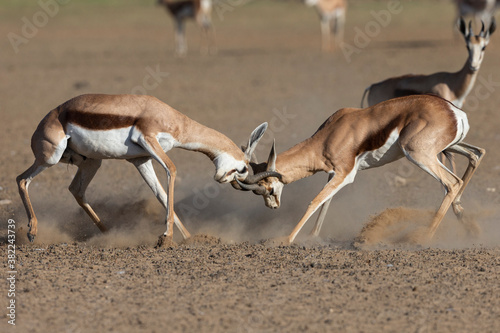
x=253 y=158
x=254 y=140
x=462 y=27
x=271 y=161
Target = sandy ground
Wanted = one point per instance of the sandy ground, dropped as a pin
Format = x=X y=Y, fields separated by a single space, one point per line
x=230 y=277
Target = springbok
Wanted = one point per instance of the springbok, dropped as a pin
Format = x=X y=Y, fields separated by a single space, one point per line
x=201 y=11
x=89 y=128
x=451 y=86
x=480 y=10
x=418 y=127
x=332 y=19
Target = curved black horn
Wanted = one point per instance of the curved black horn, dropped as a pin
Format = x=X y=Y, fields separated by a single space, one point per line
x=236 y=186
x=252 y=179
x=260 y=190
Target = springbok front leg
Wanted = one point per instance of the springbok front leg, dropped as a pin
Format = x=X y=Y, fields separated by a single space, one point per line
x=145 y=167
x=322 y=213
x=86 y=171
x=153 y=147
x=339 y=180
x=180 y=38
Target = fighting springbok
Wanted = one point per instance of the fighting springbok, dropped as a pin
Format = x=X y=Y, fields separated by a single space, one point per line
x=451 y=86
x=332 y=19
x=201 y=11
x=89 y=128
x=418 y=127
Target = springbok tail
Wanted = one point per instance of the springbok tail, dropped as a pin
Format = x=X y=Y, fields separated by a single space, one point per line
x=364 y=94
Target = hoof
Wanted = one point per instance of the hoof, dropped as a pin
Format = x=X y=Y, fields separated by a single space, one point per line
x=165 y=241
x=31 y=238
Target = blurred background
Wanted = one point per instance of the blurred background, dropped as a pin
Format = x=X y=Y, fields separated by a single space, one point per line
x=269 y=66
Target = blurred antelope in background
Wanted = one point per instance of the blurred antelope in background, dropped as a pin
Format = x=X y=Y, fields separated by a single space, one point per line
x=451 y=86
x=417 y=127
x=201 y=11
x=89 y=128
x=479 y=10
x=332 y=18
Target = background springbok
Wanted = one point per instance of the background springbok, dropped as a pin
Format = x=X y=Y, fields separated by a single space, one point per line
x=451 y=86
x=418 y=127
x=332 y=19
x=201 y=11
x=89 y=128
x=479 y=10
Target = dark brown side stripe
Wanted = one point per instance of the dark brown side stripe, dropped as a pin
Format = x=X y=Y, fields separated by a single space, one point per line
x=97 y=121
x=378 y=138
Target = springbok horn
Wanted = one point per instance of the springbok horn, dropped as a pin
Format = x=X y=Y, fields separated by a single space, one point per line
x=253 y=179
x=260 y=190
x=482 y=29
x=236 y=186
x=471 y=32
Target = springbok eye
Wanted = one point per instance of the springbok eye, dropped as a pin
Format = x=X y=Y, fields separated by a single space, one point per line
x=245 y=169
x=484 y=48
x=271 y=192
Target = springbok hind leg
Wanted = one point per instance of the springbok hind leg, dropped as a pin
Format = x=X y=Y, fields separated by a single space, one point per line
x=86 y=172
x=474 y=155
x=429 y=162
x=23 y=182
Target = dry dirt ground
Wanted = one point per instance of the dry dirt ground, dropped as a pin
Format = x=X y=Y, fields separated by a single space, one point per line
x=231 y=277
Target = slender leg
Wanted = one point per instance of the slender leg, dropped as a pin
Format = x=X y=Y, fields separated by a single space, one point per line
x=322 y=213
x=180 y=38
x=152 y=146
x=330 y=189
x=451 y=182
x=23 y=182
x=339 y=26
x=86 y=172
x=48 y=149
x=475 y=155
x=145 y=167
x=325 y=34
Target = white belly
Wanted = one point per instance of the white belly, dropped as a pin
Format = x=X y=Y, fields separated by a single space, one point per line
x=115 y=143
x=389 y=152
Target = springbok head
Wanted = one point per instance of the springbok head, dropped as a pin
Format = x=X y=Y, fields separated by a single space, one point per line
x=231 y=168
x=476 y=44
x=267 y=181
